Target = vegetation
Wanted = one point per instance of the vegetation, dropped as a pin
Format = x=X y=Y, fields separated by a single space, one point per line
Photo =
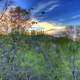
x=38 y=57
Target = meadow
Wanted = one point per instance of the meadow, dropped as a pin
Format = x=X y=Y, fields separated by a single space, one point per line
x=38 y=57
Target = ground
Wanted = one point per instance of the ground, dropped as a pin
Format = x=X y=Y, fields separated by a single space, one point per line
x=40 y=57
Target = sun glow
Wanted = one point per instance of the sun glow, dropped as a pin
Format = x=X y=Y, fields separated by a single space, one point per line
x=50 y=28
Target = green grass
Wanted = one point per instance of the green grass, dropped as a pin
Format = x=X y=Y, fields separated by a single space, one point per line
x=40 y=57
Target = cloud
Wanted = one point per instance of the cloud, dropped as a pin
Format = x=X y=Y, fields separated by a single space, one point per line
x=52 y=7
x=42 y=6
x=76 y=16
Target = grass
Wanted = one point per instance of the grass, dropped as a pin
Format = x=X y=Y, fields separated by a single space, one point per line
x=40 y=57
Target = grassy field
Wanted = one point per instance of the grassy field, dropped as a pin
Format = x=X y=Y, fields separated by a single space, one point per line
x=40 y=57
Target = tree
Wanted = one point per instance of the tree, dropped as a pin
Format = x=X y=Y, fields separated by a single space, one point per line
x=22 y=18
x=6 y=4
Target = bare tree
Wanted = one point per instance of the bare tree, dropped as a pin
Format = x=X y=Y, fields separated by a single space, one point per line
x=5 y=7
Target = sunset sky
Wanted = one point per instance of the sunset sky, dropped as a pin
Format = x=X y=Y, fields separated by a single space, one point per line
x=57 y=11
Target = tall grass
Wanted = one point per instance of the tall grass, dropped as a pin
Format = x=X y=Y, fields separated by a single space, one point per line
x=38 y=57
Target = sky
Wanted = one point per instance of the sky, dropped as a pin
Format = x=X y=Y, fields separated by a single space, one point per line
x=56 y=11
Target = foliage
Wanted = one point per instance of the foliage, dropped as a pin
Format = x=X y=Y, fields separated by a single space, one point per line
x=38 y=57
